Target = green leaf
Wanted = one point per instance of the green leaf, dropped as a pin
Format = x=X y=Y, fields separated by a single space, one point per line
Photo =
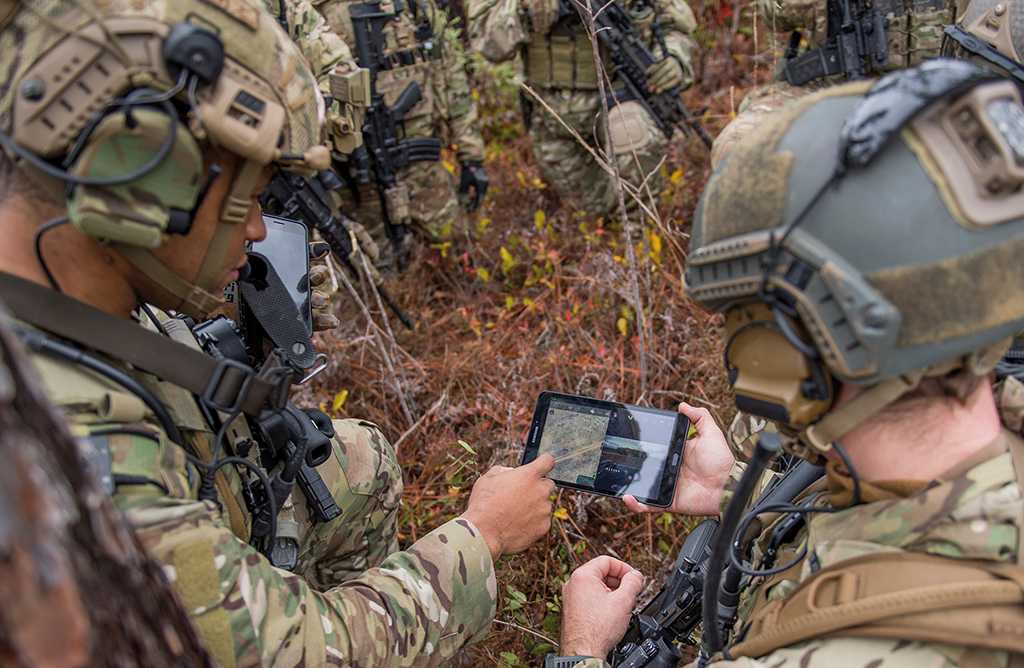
x=467 y=447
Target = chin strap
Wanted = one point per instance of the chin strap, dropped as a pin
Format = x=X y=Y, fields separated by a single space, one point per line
x=818 y=438
x=203 y=297
x=844 y=419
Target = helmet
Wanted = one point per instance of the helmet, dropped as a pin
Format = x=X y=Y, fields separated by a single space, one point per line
x=867 y=234
x=991 y=34
x=117 y=101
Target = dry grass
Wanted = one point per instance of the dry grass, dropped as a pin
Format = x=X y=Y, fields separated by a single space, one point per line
x=534 y=297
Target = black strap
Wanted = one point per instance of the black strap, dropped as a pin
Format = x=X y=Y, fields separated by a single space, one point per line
x=984 y=50
x=224 y=385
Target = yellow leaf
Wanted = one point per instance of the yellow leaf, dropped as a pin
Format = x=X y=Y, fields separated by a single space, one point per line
x=521 y=178
x=510 y=302
x=339 y=401
x=527 y=302
x=692 y=431
x=655 y=243
x=677 y=176
x=453 y=491
x=561 y=514
x=448 y=166
x=623 y=326
x=482 y=225
x=507 y=261
x=538 y=184
x=475 y=94
x=443 y=247
x=538 y=220
x=483 y=274
x=619 y=259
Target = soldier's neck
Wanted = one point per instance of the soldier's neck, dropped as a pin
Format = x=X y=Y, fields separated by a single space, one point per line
x=82 y=268
x=925 y=438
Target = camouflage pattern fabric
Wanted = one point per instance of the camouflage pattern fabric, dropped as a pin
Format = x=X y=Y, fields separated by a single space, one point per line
x=974 y=511
x=501 y=29
x=447 y=111
x=569 y=167
x=327 y=53
x=352 y=600
x=914 y=35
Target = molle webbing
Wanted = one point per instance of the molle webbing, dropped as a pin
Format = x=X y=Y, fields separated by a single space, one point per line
x=561 y=61
x=900 y=596
x=226 y=384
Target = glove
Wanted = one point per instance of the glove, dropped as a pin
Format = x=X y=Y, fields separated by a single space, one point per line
x=544 y=14
x=665 y=75
x=322 y=288
x=473 y=176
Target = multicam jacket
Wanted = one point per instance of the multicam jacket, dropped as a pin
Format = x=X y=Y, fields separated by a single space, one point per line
x=415 y=607
x=973 y=512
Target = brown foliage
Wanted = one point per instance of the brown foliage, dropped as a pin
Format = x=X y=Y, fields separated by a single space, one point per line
x=495 y=329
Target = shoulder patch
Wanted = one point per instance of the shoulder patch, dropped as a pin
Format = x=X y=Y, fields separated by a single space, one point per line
x=237 y=9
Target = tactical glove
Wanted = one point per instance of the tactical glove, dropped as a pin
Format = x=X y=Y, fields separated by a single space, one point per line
x=473 y=176
x=543 y=14
x=665 y=75
x=322 y=288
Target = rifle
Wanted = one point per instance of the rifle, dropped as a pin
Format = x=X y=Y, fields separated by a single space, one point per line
x=306 y=199
x=383 y=153
x=655 y=633
x=855 y=45
x=630 y=61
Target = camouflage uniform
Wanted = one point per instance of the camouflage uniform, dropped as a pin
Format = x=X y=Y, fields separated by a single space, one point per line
x=972 y=512
x=327 y=55
x=447 y=110
x=559 y=66
x=914 y=34
x=353 y=599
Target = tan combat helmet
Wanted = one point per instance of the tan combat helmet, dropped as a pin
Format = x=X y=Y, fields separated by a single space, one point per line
x=117 y=101
x=989 y=33
x=870 y=234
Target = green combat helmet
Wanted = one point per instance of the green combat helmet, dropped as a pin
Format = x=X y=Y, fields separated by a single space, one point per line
x=869 y=234
x=118 y=101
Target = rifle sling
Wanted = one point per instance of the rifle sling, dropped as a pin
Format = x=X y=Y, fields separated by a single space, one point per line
x=224 y=384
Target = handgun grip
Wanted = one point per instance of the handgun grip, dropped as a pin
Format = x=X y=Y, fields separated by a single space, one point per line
x=319 y=498
x=407 y=100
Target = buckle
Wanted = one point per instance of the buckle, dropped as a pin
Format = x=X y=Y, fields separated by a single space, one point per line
x=224 y=365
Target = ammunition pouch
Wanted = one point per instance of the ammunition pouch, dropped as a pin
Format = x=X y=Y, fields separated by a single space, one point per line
x=561 y=61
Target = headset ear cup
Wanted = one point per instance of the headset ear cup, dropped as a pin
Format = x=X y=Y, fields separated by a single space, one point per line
x=140 y=212
x=770 y=377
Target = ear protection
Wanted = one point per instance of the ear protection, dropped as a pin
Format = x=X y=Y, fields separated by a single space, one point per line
x=774 y=372
x=123 y=140
x=139 y=212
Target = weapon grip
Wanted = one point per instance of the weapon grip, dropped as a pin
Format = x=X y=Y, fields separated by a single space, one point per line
x=317 y=495
x=407 y=100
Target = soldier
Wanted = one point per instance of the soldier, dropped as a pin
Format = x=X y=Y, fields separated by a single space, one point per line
x=144 y=133
x=559 y=65
x=912 y=34
x=421 y=44
x=874 y=352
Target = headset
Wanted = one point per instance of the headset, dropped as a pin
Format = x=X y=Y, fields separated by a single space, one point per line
x=135 y=171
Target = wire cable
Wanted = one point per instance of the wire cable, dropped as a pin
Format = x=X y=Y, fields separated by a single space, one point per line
x=62 y=175
x=37 y=241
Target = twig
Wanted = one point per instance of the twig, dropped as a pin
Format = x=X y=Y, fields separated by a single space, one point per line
x=399 y=390
x=430 y=411
x=627 y=223
x=526 y=630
